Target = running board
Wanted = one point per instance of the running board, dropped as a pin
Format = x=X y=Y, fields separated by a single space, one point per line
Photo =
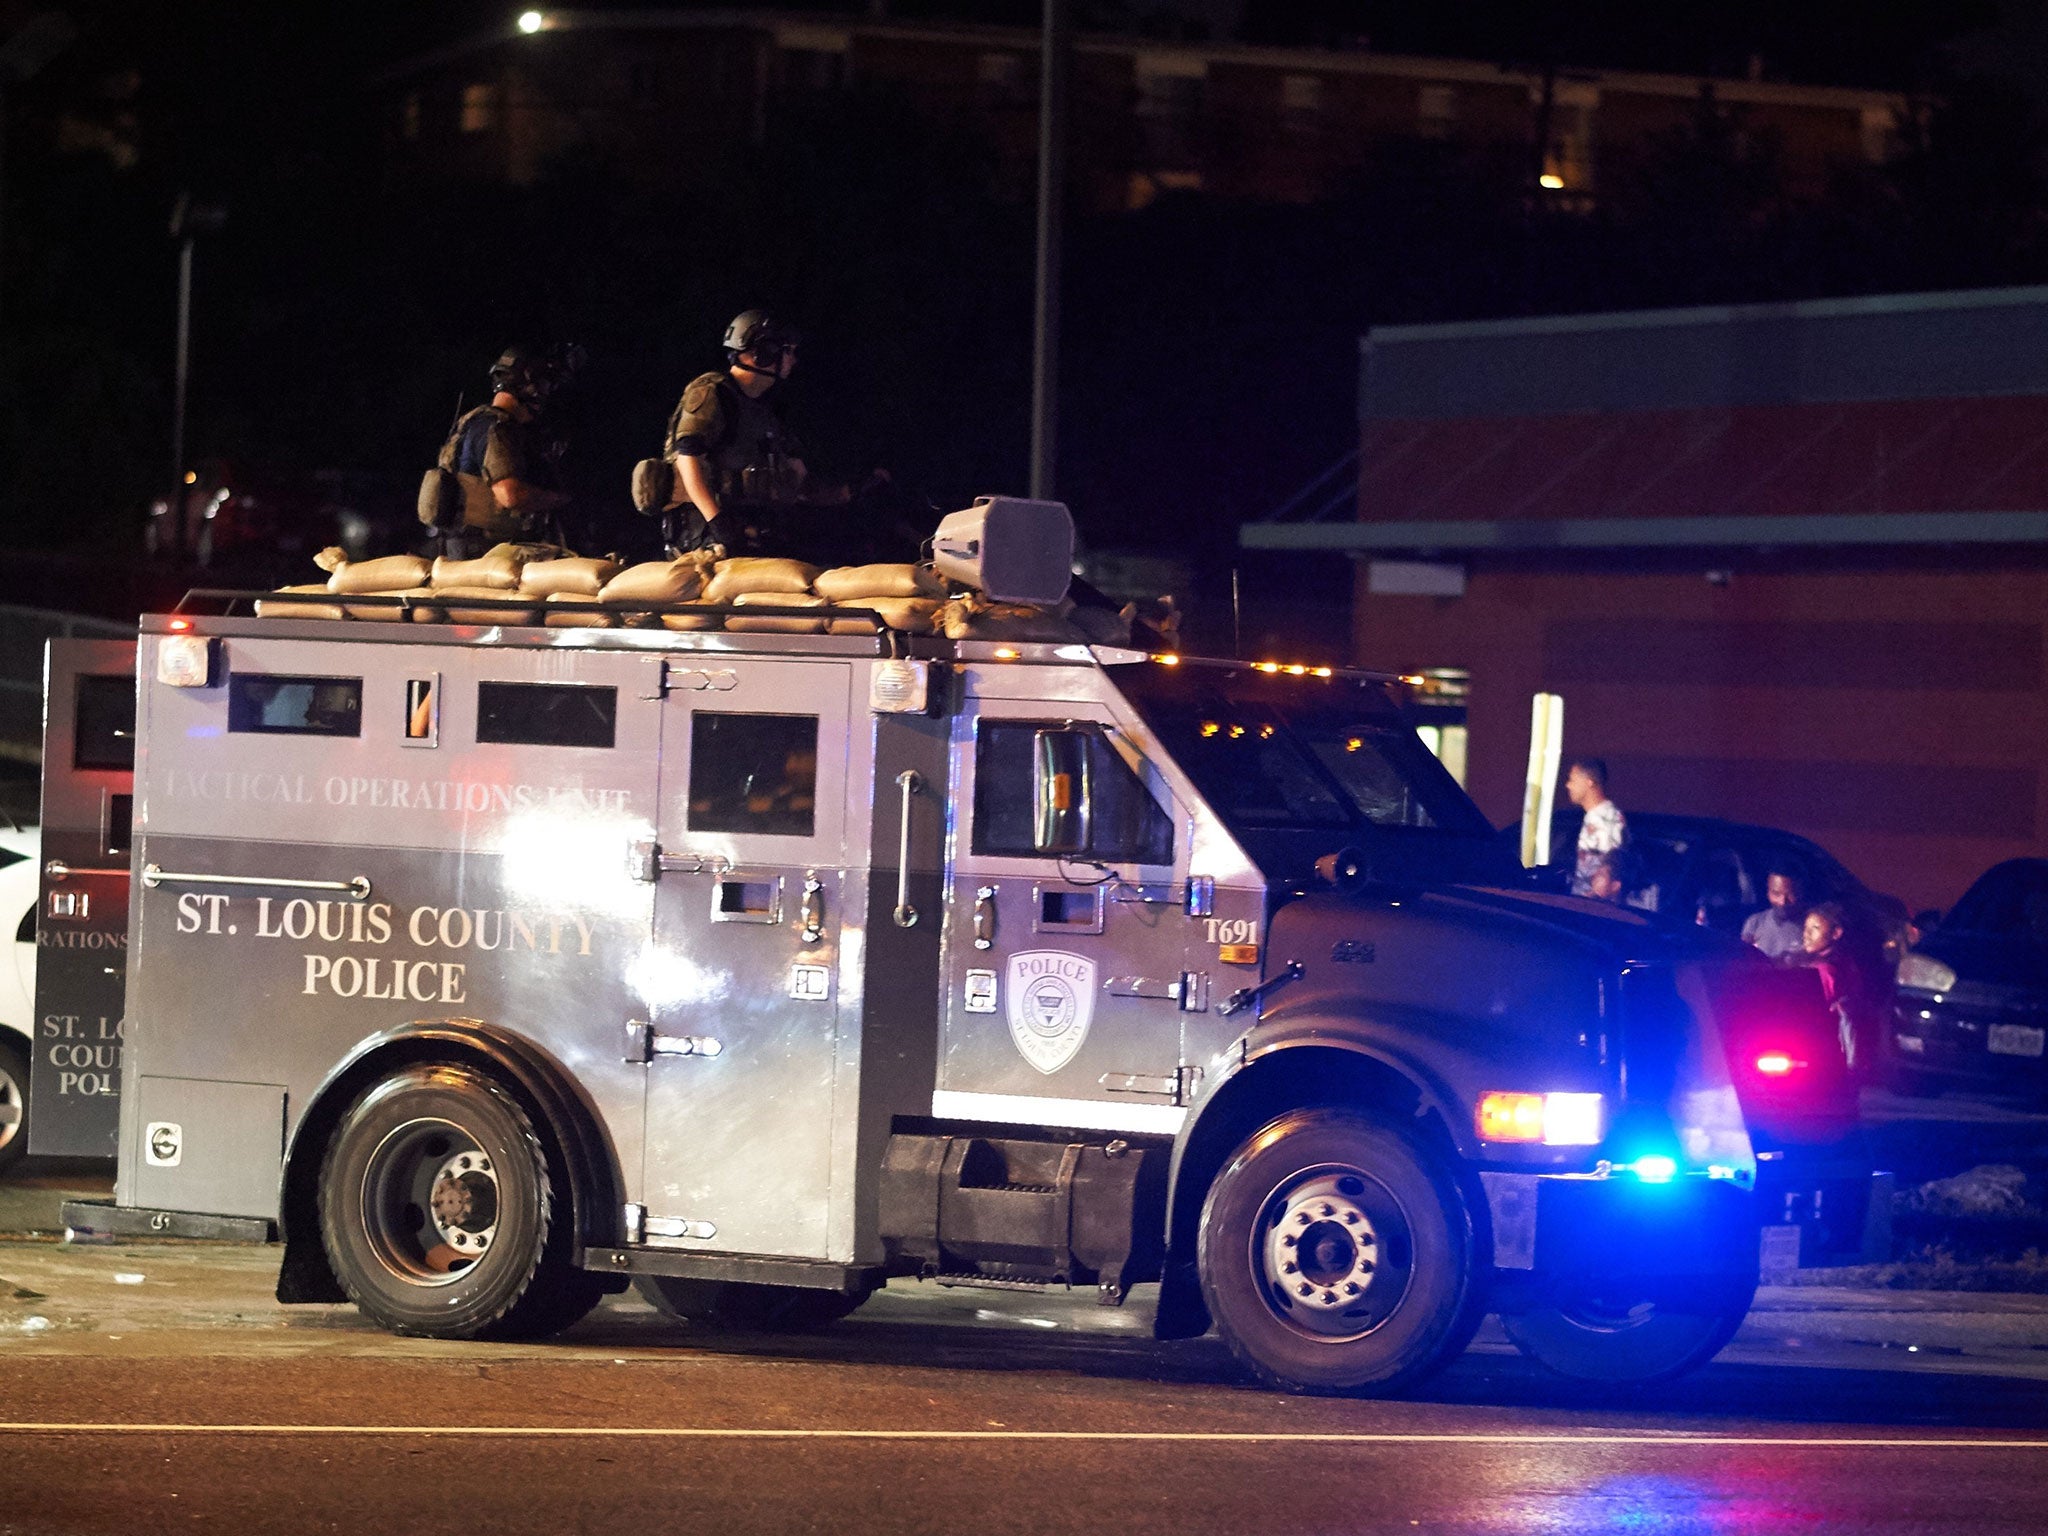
x=806 y=1274
x=102 y=1221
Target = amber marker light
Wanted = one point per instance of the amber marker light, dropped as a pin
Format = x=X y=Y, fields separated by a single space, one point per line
x=1551 y=1119
x=1167 y=659
x=179 y=626
x=1005 y=653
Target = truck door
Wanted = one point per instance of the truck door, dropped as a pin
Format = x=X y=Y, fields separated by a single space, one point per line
x=1067 y=935
x=745 y=976
x=82 y=907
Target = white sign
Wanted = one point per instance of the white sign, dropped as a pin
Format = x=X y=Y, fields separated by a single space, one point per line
x=1051 y=1001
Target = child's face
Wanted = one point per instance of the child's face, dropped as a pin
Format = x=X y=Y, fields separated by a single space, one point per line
x=1819 y=934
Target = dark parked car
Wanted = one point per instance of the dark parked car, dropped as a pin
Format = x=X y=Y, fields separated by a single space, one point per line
x=1973 y=995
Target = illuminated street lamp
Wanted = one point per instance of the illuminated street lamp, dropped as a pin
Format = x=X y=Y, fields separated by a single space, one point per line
x=531 y=21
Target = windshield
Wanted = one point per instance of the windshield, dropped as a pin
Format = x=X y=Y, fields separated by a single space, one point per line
x=1302 y=767
x=2011 y=902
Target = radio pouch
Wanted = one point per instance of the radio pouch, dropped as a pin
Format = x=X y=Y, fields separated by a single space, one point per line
x=440 y=505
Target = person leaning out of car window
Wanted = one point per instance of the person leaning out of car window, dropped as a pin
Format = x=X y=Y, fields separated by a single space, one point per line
x=1779 y=930
x=1845 y=980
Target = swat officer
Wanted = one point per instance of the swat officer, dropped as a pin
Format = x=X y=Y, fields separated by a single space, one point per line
x=497 y=478
x=737 y=468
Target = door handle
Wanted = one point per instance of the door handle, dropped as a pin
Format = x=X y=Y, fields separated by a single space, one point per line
x=906 y=915
x=810 y=909
x=985 y=917
x=1142 y=986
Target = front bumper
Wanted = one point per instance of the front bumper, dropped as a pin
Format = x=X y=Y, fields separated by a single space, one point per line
x=1949 y=1042
x=1608 y=1229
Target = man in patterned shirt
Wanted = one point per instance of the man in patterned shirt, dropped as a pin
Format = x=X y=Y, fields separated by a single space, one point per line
x=1604 y=832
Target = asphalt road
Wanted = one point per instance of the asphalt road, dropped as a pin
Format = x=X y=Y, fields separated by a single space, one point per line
x=164 y=1392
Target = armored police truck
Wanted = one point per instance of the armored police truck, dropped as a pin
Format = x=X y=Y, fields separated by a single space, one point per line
x=494 y=967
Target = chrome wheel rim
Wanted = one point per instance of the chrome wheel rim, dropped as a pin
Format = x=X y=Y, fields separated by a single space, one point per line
x=430 y=1202
x=1332 y=1253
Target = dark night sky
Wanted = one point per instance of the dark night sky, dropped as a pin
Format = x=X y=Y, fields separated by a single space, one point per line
x=1210 y=351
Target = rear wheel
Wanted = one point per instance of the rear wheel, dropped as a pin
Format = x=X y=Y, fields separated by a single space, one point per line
x=13 y=1105
x=1626 y=1339
x=736 y=1307
x=440 y=1213
x=1336 y=1256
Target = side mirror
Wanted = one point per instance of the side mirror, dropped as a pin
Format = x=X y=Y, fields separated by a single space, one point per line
x=1060 y=790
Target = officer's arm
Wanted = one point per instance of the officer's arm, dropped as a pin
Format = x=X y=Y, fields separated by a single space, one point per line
x=516 y=495
x=505 y=468
x=696 y=484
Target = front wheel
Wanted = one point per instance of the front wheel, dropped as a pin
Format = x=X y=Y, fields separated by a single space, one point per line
x=737 y=1307
x=1626 y=1339
x=441 y=1216
x=13 y=1105
x=1336 y=1256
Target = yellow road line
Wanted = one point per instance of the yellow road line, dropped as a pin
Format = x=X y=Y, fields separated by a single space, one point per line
x=1191 y=1437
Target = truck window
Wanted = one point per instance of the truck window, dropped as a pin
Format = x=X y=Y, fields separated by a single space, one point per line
x=546 y=714
x=275 y=705
x=1126 y=824
x=753 y=773
x=105 y=721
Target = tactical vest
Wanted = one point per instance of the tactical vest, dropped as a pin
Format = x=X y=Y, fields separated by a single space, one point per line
x=752 y=462
x=480 y=509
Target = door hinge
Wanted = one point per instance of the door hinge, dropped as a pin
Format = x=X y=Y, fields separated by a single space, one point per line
x=679 y=1226
x=1194 y=991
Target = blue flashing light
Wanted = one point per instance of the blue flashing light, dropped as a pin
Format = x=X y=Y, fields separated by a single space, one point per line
x=1655 y=1168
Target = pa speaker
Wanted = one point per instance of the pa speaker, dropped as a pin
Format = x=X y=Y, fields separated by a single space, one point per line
x=1015 y=551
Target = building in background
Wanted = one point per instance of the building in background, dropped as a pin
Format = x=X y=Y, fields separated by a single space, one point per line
x=1787 y=564
x=657 y=91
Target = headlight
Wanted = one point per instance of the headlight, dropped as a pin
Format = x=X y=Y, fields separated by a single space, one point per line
x=1924 y=973
x=1554 y=1119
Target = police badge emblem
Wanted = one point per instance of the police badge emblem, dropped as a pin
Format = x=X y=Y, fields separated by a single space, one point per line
x=1051 y=1000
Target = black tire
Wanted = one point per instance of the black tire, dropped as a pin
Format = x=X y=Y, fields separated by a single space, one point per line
x=441 y=1215
x=732 y=1306
x=1629 y=1342
x=1336 y=1255
x=13 y=1104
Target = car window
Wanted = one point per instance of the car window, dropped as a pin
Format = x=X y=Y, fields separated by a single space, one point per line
x=2008 y=903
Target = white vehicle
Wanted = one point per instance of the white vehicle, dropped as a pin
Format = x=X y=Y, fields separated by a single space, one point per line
x=18 y=849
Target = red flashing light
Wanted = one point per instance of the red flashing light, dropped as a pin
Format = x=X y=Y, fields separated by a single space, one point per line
x=179 y=626
x=1776 y=1063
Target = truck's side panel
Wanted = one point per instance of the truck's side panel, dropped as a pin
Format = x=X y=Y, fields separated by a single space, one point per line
x=491 y=853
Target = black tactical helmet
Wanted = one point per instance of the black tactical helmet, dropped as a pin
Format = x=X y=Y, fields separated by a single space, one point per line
x=755 y=330
x=523 y=373
x=532 y=375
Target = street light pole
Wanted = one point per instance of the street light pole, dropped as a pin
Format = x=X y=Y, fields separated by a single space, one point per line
x=182 y=373
x=189 y=220
x=1056 y=54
